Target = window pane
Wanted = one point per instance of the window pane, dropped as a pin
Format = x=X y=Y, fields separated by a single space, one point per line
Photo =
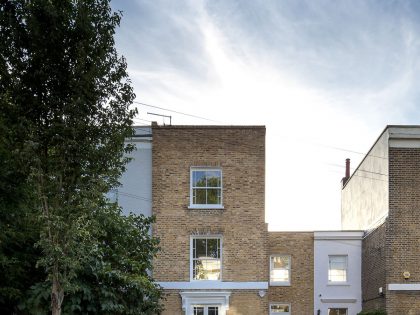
x=213 y=178
x=206 y=259
x=198 y=310
x=281 y=262
x=198 y=270
x=337 y=311
x=280 y=268
x=337 y=271
x=338 y=262
x=211 y=269
x=337 y=275
x=213 y=248
x=199 y=179
x=199 y=196
x=279 y=308
x=213 y=310
x=279 y=275
x=213 y=196
x=200 y=248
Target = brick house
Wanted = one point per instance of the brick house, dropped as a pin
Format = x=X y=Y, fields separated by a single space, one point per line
x=206 y=187
x=382 y=197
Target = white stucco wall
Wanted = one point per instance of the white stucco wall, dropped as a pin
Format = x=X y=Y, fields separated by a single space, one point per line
x=135 y=194
x=348 y=295
x=364 y=199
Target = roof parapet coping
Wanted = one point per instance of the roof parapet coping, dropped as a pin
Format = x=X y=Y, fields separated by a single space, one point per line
x=338 y=235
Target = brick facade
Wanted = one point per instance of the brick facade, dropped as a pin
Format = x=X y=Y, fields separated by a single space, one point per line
x=386 y=191
x=300 y=246
x=373 y=269
x=240 y=153
x=403 y=232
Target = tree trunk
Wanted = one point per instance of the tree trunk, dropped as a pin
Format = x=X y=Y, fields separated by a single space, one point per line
x=57 y=296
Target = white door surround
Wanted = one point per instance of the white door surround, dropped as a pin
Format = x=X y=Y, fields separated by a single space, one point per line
x=208 y=298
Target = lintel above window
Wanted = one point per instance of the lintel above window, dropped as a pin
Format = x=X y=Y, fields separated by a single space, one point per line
x=206 y=188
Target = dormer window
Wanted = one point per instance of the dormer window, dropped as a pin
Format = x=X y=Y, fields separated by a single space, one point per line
x=206 y=188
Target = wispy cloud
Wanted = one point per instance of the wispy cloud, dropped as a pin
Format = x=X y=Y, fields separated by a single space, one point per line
x=332 y=72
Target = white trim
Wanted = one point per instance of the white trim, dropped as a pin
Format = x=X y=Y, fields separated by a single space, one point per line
x=404 y=143
x=214 y=236
x=218 y=298
x=281 y=283
x=404 y=286
x=338 y=235
x=339 y=300
x=210 y=285
x=205 y=206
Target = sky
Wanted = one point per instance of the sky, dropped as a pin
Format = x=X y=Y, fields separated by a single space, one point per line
x=324 y=77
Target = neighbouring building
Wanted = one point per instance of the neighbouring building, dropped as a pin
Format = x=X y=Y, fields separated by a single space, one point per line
x=382 y=197
x=337 y=289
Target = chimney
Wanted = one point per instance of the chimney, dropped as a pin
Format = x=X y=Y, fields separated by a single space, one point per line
x=347 y=175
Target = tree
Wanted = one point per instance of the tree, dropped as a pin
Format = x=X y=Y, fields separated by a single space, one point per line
x=114 y=280
x=18 y=231
x=65 y=91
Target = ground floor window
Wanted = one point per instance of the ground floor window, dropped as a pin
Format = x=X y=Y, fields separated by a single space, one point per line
x=205 y=310
x=279 y=308
x=337 y=311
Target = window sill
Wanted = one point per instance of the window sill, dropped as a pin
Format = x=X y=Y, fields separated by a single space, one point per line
x=206 y=207
x=280 y=284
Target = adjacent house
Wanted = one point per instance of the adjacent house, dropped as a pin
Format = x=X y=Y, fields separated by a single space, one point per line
x=382 y=197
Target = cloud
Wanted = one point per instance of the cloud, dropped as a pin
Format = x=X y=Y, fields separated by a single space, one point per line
x=314 y=72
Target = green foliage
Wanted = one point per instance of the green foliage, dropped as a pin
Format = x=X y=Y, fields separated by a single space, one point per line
x=64 y=105
x=18 y=233
x=115 y=279
x=373 y=312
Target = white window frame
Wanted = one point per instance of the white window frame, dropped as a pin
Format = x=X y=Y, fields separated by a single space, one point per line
x=206 y=308
x=347 y=269
x=283 y=313
x=281 y=283
x=192 y=237
x=205 y=206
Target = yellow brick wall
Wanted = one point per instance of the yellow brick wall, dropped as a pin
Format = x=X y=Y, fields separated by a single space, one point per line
x=300 y=293
x=240 y=153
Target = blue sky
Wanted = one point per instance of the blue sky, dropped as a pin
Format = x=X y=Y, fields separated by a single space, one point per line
x=320 y=75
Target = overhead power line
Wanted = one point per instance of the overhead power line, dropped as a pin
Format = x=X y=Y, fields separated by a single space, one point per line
x=176 y=112
x=357 y=170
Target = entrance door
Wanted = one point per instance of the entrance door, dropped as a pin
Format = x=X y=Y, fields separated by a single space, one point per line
x=205 y=310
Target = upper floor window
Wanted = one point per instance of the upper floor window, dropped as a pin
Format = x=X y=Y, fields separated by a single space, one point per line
x=337 y=270
x=277 y=309
x=280 y=270
x=206 y=258
x=206 y=188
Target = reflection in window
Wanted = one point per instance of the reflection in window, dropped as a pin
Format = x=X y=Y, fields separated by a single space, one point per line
x=276 y=309
x=280 y=269
x=337 y=271
x=206 y=258
x=206 y=187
